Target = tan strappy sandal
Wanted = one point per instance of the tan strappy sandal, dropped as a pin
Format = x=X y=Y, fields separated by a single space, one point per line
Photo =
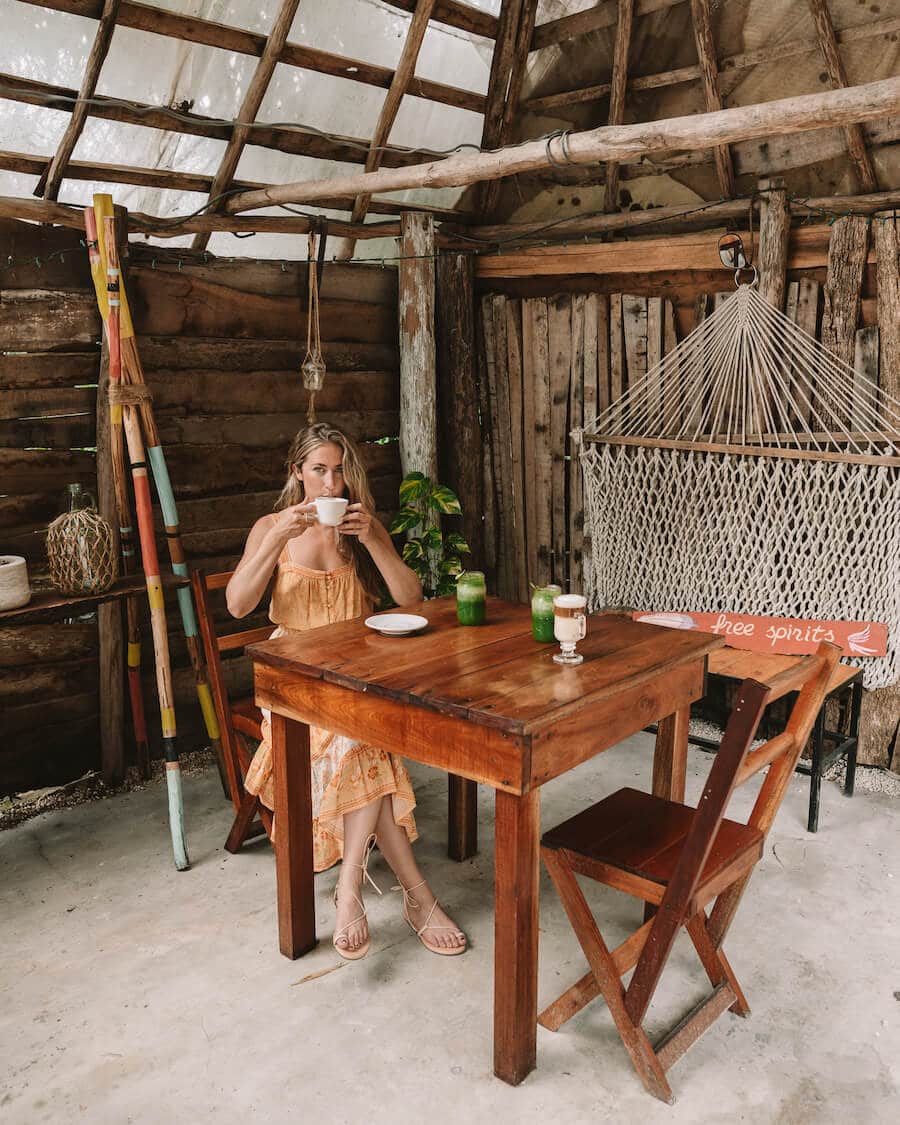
x=356 y=954
x=409 y=901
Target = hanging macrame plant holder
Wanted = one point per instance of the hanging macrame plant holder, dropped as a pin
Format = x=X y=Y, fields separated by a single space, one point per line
x=313 y=367
x=751 y=470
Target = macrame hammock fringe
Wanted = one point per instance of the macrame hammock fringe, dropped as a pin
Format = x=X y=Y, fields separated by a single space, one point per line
x=751 y=471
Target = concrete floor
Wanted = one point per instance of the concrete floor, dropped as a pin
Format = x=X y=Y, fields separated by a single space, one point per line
x=133 y=993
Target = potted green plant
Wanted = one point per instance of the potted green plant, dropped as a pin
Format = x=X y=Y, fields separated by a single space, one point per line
x=432 y=554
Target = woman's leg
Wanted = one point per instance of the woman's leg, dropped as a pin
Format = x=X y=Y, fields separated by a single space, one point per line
x=396 y=849
x=358 y=827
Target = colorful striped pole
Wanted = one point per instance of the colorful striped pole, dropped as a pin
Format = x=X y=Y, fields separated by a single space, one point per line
x=123 y=508
x=146 y=534
x=134 y=376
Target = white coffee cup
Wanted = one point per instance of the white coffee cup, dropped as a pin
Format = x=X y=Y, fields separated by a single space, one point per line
x=330 y=509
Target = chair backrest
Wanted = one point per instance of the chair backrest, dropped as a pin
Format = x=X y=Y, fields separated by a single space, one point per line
x=213 y=646
x=733 y=764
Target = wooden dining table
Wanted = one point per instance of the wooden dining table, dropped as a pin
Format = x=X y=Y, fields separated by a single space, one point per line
x=487 y=704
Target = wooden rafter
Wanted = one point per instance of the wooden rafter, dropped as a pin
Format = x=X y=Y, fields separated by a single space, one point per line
x=805 y=113
x=597 y=18
x=345 y=150
x=508 y=64
x=617 y=94
x=856 y=141
x=166 y=179
x=772 y=52
x=406 y=68
x=49 y=184
x=253 y=98
x=709 y=72
x=188 y=29
x=464 y=17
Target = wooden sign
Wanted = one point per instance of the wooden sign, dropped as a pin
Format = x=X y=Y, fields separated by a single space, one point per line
x=787 y=635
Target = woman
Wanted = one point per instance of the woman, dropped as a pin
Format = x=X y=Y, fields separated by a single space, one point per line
x=361 y=794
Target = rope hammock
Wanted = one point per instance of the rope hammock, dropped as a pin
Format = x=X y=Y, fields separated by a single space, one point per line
x=752 y=471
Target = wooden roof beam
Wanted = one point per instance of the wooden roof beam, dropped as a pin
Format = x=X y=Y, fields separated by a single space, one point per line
x=617 y=95
x=709 y=72
x=49 y=183
x=772 y=52
x=406 y=67
x=452 y=13
x=782 y=117
x=508 y=65
x=166 y=179
x=856 y=141
x=253 y=98
x=602 y=15
x=188 y=29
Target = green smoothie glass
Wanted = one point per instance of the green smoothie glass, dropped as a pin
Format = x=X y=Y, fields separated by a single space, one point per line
x=542 y=613
x=470 y=597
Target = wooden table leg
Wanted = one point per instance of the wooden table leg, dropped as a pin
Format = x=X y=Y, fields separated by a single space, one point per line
x=670 y=756
x=462 y=818
x=293 y=837
x=516 y=870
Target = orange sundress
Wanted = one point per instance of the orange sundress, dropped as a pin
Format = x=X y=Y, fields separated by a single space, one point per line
x=346 y=775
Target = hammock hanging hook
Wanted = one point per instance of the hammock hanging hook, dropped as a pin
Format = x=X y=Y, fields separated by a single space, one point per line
x=754 y=280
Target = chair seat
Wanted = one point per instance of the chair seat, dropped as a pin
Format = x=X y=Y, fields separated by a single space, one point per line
x=247 y=717
x=643 y=835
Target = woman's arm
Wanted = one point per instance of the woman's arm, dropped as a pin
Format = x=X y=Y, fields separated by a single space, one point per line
x=264 y=544
x=403 y=583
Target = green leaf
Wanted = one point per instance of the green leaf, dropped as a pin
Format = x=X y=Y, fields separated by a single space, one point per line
x=413 y=487
x=454 y=542
x=404 y=520
x=433 y=539
x=413 y=549
x=444 y=500
x=444 y=588
x=451 y=565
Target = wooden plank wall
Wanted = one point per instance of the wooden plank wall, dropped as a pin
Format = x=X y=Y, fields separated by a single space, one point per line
x=549 y=365
x=221 y=344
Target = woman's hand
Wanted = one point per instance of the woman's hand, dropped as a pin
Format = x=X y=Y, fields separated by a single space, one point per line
x=357 y=521
x=293 y=521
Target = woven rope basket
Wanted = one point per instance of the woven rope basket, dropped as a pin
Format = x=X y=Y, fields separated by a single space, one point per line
x=81 y=553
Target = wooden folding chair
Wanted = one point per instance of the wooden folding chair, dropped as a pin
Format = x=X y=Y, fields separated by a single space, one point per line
x=678 y=860
x=238 y=720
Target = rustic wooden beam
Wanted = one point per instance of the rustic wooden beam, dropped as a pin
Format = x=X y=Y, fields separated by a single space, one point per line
x=887 y=249
x=406 y=68
x=418 y=378
x=772 y=52
x=848 y=252
x=49 y=183
x=856 y=141
x=464 y=17
x=164 y=178
x=776 y=118
x=253 y=97
x=350 y=150
x=601 y=15
x=508 y=65
x=774 y=236
x=617 y=95
x=188 y=29
x=706 y=53
x=46 y=211
x=686 y=215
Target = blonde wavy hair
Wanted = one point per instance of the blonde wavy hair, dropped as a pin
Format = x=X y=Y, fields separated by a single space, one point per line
x=356 y=489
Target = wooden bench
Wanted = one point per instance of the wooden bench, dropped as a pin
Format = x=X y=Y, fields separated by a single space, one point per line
x=846 y=682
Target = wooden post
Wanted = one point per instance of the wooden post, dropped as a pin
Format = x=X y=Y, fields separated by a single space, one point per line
x=418 y=381
x=460 y=450
x=109 y=614
x=847 y=252
x=774 y=233
x=887 y=246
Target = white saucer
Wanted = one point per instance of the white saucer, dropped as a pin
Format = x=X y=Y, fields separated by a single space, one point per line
x=397 y=624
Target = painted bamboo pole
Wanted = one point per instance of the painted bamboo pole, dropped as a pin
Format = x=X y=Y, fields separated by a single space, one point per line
x=134 y=375
x=149 y=558
x=123 y=509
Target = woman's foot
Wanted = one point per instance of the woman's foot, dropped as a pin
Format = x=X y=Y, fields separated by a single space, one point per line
x=434 y=928
x=351 y=929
